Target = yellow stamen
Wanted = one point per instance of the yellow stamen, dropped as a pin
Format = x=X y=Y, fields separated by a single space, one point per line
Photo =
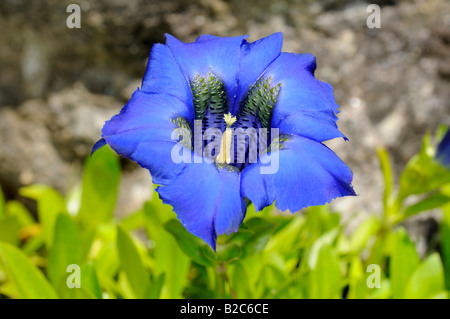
x=225 y=144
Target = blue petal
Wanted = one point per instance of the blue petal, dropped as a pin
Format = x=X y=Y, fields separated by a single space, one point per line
x=318 y=125
x=142 y=132
x=206 y=200
x=164 y=75
x=302 y=92
x=218 y=55
x=256 y=57
x=204 y=37
x=309 y=174
x=98 y=145
x=443 y=150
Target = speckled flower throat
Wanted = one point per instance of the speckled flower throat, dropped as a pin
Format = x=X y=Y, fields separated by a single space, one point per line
x=222 y=137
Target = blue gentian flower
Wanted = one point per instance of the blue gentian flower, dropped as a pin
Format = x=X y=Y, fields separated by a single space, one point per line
x=443 y=150
x=227 y=83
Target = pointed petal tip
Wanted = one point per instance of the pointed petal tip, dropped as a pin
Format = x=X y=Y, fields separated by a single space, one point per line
x=98 y=145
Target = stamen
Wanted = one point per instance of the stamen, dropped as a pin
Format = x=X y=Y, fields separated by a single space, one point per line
x=225 y=143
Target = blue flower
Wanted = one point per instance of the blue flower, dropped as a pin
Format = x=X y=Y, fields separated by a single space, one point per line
x=443 y=150
x=226 y=84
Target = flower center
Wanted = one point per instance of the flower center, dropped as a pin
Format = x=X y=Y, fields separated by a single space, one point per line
x=237 y=141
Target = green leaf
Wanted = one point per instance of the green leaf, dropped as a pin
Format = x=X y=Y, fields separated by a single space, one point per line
x=89 y=280
x=386 y=168
x=16 y=209
x=65 y=251
x=326 y=239
x=100 y=183
x=28 y=280
x=133 y=221
x=192 y=246
x=433 y=201
x=365 y=230
x=423 y=173
x=89 y=285
x=107 y=265
x=404 y=261
x=50 y=203
x=427 y=280
x=132 y=263
x=357 y=280
x=445 y=242
x=252 y=242
x=239 y=281
x=325 y=278
x=169 y=258
x=9 y=228
x=384 y=292
x=155 y=287
x=285 y=238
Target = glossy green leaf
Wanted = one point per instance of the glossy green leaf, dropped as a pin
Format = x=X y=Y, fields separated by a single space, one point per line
x=169 y=257
x=101 y=176
x=325 y=278
x=427 y=280
x=89 y=280
x=404 y=261
x=433 y=201
x=325 y=240
x=65 y=251
x=50 y=204
x=251 y=238
x=365 y=230
x=192 y=246
x=386 y=169
x=239 y=281
x=357 y=280
x=423 y=173
x=16 y=209
x=445 y=243
x=131 y=262
x=155 y=287
x=9 y=229
x=89 y=285
x=28 y=280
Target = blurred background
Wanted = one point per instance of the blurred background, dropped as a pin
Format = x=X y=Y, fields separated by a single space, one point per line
x=59 y=85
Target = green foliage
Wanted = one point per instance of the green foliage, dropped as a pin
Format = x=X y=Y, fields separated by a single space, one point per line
x=149 y=254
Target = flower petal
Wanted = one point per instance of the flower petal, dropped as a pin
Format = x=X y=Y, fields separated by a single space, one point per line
x=309 y=174
x=164 y=75
x=256 y=57
x=302 y=92
x=443 y=150
x=318 y=125
x=142 y=132
x=98 y=145
x=218 y=55
x=206 y=201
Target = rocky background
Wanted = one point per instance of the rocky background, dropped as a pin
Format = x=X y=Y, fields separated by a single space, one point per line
x=59 y=85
